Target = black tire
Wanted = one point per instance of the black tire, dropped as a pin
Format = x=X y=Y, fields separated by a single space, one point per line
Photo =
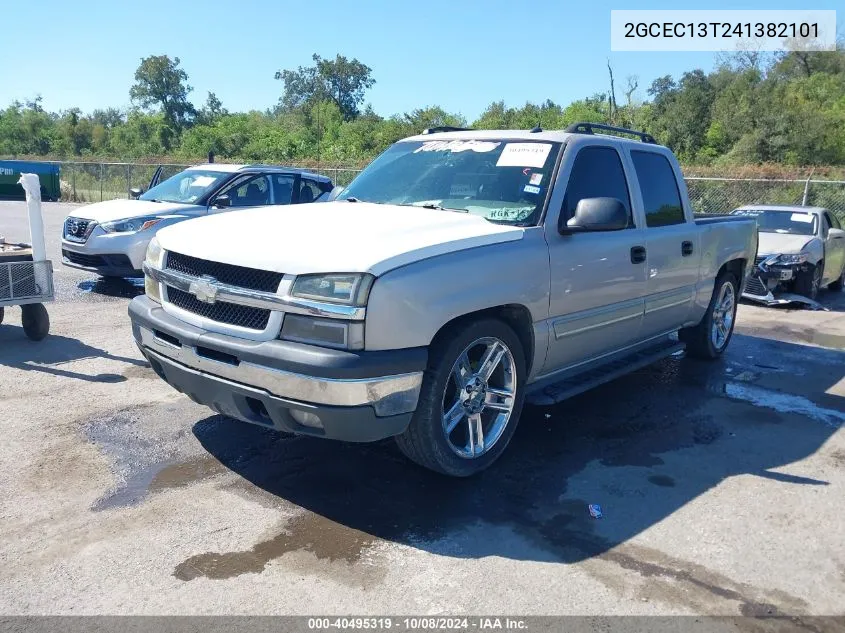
x=808 y=282
x=35 y=320
x=425 y=440
x=2 y=312
x=699 y=338
x=836 y=286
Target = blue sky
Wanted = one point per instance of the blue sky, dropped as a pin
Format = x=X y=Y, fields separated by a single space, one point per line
x=459 y=54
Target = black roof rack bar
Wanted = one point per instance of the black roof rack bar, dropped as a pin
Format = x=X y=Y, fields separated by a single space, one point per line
x=445 y=128
x=585 y=127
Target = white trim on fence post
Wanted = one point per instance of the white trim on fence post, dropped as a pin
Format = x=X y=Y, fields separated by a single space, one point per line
x=807 y=188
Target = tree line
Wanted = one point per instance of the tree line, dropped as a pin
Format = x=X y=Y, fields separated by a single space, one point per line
x=753 y=108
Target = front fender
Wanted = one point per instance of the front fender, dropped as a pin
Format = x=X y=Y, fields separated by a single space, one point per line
x=409 y=305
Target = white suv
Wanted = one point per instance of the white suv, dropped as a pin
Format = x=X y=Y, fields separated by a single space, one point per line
x=111 y=237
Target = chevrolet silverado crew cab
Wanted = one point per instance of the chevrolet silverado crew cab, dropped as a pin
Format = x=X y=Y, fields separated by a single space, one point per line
x=110 y=238
x=459 y=275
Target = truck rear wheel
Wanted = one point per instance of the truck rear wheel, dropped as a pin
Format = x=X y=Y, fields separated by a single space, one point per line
x=470 y=401
x=710 y=338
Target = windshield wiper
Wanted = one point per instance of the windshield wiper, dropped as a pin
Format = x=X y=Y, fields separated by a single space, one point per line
x=437 y=207
x=352 y=199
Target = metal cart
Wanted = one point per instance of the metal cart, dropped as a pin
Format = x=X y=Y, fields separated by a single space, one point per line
x=26 y=276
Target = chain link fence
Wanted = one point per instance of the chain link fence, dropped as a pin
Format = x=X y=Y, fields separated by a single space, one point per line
x=94 y=182
x=722 y=195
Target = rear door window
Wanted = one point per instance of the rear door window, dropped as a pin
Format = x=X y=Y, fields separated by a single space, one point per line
x=282 y=188
x=308 y=191
x=661 y=197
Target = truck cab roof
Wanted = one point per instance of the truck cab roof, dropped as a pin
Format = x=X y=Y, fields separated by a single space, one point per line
x=576 y=130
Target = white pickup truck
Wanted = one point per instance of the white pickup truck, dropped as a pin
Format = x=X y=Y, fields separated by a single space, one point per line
x=462 y=273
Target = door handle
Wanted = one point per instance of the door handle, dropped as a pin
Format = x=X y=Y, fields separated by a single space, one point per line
x=638 y=254
x=686 y=248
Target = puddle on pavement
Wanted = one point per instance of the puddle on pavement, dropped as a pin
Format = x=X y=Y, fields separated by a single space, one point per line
x=159 y=477
x=783 y=403
x=143 y=463
x=322 y=537
x=122 y=288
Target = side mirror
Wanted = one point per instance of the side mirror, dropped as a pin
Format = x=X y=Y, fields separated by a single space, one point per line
x=222 y=202
x=596 y=214
x=135 y=193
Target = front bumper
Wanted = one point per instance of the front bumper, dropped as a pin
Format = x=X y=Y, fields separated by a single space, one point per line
x=764 y=281
x=114 y=254
x=356 y=396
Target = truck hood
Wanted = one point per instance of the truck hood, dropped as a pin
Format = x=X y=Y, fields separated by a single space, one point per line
x=782 y=243
x=332 y=237
x=111 y=210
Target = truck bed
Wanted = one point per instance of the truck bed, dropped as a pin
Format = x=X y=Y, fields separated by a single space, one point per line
x=716 y=218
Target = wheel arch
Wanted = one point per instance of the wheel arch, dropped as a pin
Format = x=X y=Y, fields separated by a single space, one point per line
x=515 y=315
x=736 y=267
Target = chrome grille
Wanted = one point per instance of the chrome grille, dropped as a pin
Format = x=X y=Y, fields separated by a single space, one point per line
x=220 y=311
x=755 y=286
x=241 y=276
x=77 y=229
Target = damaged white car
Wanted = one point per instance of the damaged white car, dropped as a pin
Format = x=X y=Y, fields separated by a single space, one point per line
x=801 y=250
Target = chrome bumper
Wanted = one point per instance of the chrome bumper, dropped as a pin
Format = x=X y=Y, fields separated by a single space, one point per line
x=387 y=395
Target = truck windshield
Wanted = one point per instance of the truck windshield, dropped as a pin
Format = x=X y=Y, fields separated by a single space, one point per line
x=782 y=221
x=498 y=179
x=186 y=187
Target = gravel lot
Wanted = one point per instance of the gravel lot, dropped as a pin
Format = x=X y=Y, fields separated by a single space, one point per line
x=722 y=486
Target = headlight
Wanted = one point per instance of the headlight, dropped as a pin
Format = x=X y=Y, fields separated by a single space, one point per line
x=131 y=225
x=154 y=258
x=323 y=332
x=347 y=288
x=791 y=259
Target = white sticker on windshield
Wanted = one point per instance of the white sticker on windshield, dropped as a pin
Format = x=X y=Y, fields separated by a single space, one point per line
x=524 y=155
x=535 y=179
x=801 y=217
x=203 y=181
x=457 y=146
x=460 y=190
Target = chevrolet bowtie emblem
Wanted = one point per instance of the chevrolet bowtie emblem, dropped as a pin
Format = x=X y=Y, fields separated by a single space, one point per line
x=204 y=289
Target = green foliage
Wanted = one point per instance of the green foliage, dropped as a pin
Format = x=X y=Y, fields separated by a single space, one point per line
x=160 y=82
x=786 y=109
x=341 y=80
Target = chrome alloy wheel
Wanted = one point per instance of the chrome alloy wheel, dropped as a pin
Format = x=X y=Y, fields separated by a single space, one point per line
x=723 y=316
x=479 y=397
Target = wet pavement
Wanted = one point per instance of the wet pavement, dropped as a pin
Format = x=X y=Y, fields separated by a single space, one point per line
x=721 y=487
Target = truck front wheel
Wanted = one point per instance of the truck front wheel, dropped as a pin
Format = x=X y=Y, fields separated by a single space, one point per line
x=470 y=400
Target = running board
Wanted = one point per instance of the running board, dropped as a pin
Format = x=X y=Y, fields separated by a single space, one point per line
x=600 y=374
